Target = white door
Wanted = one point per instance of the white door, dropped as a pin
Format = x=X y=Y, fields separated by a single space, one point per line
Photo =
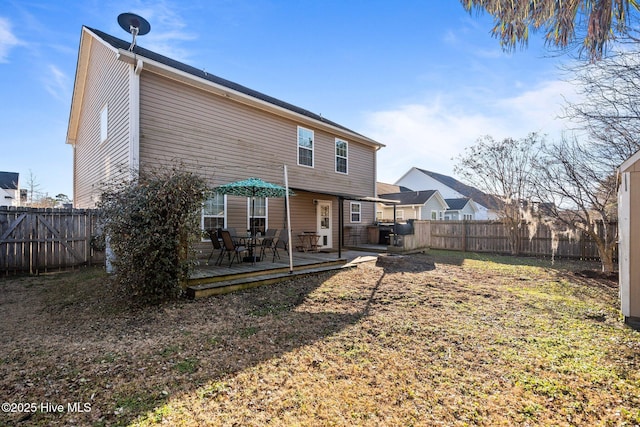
x=324 y=224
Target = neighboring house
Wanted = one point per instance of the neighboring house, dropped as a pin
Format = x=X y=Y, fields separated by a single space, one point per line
x=451 y=188
x=425 y=205
x=9 y=189
x=629 y=239
x=462 y=208
x=384 y=188
x=136 y=110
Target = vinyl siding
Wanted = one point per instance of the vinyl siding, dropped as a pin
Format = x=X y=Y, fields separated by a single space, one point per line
x=432 y=204
x=97 y=164
x=410 y=212
x=225 y=141
x=418 y=181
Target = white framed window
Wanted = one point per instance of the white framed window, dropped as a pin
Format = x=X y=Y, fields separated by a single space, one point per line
x=214 y=212
x=305 y=147
x=400 y=214
x=379 y=215
x=467 y=217
x=342 y=156
x=356 y=211
x=104 y=123
x=434 y=215
x=257 y=214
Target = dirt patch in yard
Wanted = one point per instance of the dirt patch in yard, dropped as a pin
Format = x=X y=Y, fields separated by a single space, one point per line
x=438 y=339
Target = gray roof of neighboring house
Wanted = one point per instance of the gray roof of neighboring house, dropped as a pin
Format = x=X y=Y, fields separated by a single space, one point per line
x=478 y=196
x=410 y=197
x=9 y=180
x=121 y=44
x=457 y=204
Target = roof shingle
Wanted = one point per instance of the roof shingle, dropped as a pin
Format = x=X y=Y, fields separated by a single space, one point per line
x=9 y=180
x=410 y=197
x=478 y=196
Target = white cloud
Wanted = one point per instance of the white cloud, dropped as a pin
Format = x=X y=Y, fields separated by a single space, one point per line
x=540 y=106
x=7 y=39
x=57 y=83
x=429 y=134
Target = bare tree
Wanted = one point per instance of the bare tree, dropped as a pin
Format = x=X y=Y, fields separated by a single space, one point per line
x=597 y=22
x=579 y=192
x=608 y=112
x=607 y=118
x=33 y=188
x=503 y=169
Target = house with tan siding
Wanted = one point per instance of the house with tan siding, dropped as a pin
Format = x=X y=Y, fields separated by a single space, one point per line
x=133 y=110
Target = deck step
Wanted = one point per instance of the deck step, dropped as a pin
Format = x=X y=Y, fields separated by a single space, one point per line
x=205 y=287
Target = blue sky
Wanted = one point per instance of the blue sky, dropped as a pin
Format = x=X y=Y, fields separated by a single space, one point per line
x=425 y=78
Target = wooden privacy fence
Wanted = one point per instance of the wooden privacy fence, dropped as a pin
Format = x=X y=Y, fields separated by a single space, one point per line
x=39 y=240
x=492 y=236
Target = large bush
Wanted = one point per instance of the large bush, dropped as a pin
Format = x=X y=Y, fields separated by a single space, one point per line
x=151 y=224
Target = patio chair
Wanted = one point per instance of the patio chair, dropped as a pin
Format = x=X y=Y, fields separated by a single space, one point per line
x=215 y=242
x=234 y=234
x=271 y=232
x=270 y=242
x=231 y=247
x=283 y=240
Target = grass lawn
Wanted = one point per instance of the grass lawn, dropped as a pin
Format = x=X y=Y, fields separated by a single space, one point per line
x=444 y=338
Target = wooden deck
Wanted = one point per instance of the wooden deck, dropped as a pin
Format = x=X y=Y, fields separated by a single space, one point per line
x=211 y=279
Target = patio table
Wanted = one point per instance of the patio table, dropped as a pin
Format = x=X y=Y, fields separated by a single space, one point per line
x=308 y=241
x=251 y=243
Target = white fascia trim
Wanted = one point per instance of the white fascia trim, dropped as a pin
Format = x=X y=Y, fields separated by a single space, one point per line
x=629 y=162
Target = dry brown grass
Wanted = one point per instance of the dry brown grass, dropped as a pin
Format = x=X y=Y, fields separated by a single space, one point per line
x=438 y=339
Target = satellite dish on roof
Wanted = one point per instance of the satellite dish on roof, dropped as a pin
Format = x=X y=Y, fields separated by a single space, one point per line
x=134 y=24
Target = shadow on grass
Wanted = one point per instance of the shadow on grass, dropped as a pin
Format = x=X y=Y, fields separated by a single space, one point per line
x=458 y=258
x=77 y=343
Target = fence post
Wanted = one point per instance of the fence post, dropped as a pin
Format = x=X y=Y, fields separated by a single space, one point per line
x=464 y=235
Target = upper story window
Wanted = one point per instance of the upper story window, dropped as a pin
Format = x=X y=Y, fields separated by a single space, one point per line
x=356 y=212
x=305 y=147
x=342 y=150
x=104 y=123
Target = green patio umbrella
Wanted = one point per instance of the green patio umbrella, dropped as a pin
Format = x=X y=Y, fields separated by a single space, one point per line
x=253 y=187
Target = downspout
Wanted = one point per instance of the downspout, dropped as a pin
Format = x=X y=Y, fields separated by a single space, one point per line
x=134 y=118
x=340 y=225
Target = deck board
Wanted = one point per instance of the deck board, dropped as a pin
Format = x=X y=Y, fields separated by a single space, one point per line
x=210 y=279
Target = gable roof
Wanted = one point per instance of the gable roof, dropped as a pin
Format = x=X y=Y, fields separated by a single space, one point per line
x=457 y=204
x=411 y=197
x=123 y=48
x=9 y=180
x=480 y=197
